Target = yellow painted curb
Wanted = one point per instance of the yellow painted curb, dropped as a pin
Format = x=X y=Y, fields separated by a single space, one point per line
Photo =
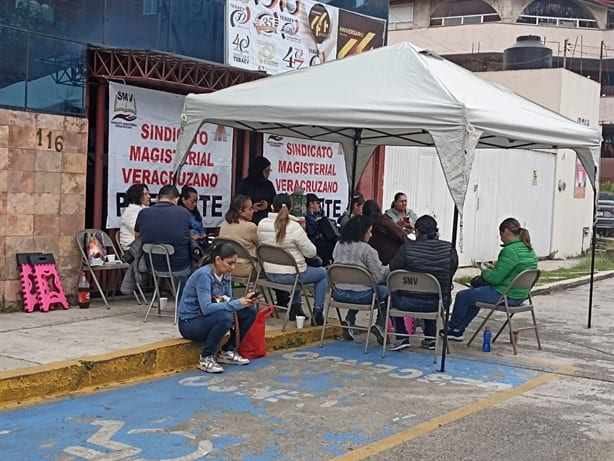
x=60 y=378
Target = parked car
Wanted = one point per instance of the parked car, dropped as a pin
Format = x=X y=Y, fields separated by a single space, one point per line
x=605 y=218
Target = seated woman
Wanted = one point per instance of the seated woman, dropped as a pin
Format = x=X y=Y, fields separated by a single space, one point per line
x=189 y=199
x=138 y=198
x=400 y=214
x=517 y=255
x=387 y=237
x=354 y=250
x=206 y=310
x=283 y=230
x=238 y=225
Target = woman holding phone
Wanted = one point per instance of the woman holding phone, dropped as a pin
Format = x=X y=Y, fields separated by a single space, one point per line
x=258 y=187
x=206 y=310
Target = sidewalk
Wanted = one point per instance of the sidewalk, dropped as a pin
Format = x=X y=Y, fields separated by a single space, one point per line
x=53 y=353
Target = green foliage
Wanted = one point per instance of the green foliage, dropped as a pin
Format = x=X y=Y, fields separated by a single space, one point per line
x=606 y=186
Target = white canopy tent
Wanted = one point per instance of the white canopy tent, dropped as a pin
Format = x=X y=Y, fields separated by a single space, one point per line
x=397 y=95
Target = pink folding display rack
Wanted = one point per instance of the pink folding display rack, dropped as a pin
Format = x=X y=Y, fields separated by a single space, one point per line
x=40 y=282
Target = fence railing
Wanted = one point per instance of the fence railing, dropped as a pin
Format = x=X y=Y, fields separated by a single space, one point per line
x=558 y=22
x=467 y=19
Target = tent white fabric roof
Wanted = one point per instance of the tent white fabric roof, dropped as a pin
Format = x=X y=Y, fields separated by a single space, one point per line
x=396 y=95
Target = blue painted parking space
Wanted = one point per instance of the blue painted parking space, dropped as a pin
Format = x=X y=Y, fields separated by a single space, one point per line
x=313 y=403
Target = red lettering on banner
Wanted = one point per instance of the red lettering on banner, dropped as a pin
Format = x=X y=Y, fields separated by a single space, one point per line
x=305 y=168
x=153 y=154
x=203 y=137
x=159 y=132
x=162 y=177
x=309 y=150
x=199 y=158
x=322 y=187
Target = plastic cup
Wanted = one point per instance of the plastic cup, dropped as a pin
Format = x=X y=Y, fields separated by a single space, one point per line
x=300 y=322
x=163 y=303
x=110 y=258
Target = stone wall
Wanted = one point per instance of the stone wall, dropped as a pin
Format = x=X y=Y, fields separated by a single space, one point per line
x=43 y=164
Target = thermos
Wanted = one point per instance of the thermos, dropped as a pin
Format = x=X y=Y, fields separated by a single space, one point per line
x=487 y=338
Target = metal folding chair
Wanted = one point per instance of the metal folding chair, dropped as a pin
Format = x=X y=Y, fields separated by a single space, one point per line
x=243 y=254
x=526 y=279
x=269 y=254
x=166 y=251
x=412 y=283
x=138 y=286
x=111 y=270
x=346 y=274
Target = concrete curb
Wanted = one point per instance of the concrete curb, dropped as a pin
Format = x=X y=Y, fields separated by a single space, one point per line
x=26 y=385
x=571 y=283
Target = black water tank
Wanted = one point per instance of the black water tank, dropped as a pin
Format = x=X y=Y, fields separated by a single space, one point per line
x=527 y=53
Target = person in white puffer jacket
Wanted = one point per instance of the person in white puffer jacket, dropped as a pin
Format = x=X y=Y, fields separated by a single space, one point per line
x=283 y=230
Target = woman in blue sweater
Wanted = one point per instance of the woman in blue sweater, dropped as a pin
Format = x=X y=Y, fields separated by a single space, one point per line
x=206 y=310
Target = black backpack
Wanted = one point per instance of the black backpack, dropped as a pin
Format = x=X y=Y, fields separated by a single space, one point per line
x=328 y=229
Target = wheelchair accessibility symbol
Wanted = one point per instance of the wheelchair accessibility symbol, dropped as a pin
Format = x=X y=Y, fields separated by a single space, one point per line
x=115 y=451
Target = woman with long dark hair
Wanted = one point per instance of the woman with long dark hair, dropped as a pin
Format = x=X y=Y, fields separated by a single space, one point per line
x=387 y=237
x=138 y=198
x=207 y=306
x=517 y=255
x=258 y=187
x=282 y=229
x=238 y=225
x=353 y=249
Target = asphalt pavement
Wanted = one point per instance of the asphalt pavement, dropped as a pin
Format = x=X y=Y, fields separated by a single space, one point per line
x=305 y=402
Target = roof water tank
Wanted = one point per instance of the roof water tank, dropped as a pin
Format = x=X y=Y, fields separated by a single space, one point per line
x=527 y=53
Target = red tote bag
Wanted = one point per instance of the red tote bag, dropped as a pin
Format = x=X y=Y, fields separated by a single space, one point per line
x=254 y=344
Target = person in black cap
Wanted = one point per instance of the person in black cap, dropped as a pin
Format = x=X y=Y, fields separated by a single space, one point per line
x=313 y=215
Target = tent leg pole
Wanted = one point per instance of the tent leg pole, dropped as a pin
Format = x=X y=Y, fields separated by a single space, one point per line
x=446 y=317
x=593 y=245
x=357 y=136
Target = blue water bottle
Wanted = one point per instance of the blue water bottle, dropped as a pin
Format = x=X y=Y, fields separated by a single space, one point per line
x=486 y=342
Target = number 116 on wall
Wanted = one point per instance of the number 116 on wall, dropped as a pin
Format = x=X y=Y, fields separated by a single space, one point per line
x=48 y=140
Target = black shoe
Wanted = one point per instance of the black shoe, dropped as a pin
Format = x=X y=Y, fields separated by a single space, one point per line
x=318 y=316
x=348 y=331
x=296 y=309
x=453 y=335
x=379 y=333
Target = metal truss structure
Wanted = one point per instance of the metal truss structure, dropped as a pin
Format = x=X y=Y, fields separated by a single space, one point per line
x=163 y=71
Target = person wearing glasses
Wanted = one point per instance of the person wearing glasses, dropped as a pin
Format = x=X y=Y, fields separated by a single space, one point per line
x=207 y=308
x=138 y=198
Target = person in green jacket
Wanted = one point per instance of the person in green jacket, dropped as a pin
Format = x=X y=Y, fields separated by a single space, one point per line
x=516 y=256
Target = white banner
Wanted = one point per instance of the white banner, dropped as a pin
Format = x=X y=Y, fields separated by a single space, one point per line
x=143 y=131
x=281 y=36
x=317 y=167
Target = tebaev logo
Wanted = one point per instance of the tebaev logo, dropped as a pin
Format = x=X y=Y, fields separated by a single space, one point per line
x=124 y=108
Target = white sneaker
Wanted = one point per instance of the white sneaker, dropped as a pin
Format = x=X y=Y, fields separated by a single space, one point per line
x=209 y=365
x=232 y=358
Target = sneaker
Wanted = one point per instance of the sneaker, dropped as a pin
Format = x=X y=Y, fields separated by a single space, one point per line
x=429 y=344
x=209 y=365
x=398 y=345
x=348 y=331
x=231 y=358
x=453 y=335
x=379 y=333
x=318 y=316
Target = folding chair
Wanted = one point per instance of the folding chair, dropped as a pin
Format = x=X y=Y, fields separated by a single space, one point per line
x=243 y=254
x=138 y=286
x=346 y=274
x=269 y=254
x=526 y=279
x=161 y=250
x=415 y=283
x=83 y=238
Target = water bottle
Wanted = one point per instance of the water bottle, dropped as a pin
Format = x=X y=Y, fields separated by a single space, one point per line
x=486 y=342
x=84 y=292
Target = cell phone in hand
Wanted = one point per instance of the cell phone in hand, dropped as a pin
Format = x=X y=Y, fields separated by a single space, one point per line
x=253 y=294
x=483 y=266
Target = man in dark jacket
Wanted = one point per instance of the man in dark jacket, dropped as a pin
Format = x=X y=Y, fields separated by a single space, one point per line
x=427 y=254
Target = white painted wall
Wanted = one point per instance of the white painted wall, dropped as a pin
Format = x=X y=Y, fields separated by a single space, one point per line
x=503 y=183
x=517 y=183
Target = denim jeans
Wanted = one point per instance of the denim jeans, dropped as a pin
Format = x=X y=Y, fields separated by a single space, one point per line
x=212 y=328
x=406 y=303
x=464 y=306
x=315 y=275
x=362 y=297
